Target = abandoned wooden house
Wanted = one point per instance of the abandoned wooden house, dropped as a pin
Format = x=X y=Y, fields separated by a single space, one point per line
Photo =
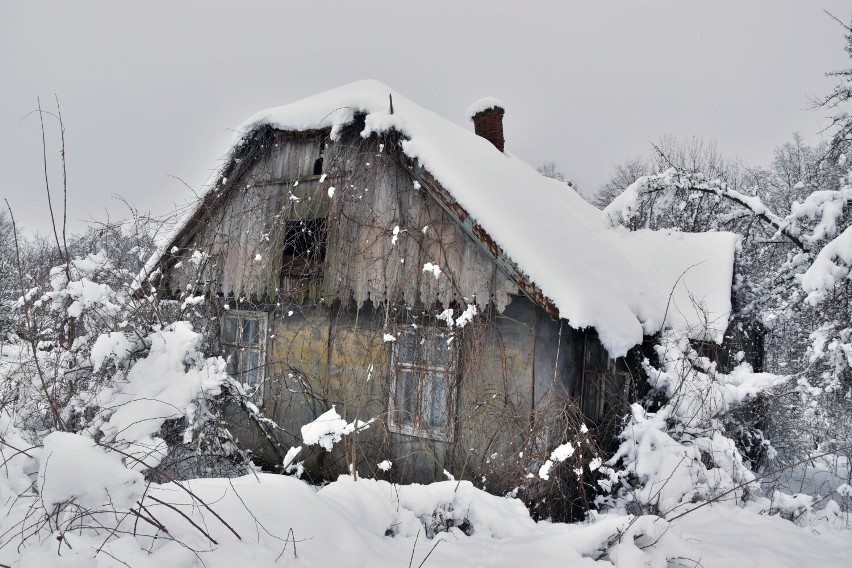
x=364 y=253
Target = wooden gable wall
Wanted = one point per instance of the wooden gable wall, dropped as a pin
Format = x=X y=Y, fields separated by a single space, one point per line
x=240 y=244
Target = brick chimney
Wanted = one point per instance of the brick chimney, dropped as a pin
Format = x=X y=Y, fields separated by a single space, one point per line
x=487 y=116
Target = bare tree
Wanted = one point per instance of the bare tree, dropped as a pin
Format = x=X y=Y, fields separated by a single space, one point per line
x=625 y=174
x=551 y=170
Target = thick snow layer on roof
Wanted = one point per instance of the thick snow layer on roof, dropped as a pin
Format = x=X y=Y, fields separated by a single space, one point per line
x=484 y=104
x=692 y=274
x=618 y=282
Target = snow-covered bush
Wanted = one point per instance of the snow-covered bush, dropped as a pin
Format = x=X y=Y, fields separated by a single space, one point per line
x=96 y=378
x=793 y=280
x=684 y=450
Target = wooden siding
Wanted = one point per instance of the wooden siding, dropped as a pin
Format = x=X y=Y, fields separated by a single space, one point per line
x=517 y=369
x=514 y=372
x=242 y=240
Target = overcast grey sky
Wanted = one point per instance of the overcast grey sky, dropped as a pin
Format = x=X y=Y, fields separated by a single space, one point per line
x=152 y=89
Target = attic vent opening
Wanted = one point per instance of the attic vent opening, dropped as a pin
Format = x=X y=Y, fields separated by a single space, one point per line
x=318 y=163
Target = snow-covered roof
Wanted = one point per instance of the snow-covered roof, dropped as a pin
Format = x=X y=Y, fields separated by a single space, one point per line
x=624 y=284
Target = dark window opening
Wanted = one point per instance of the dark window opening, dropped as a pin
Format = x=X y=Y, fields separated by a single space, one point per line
x=304 y=248
x=319 y=161
x=303 y=259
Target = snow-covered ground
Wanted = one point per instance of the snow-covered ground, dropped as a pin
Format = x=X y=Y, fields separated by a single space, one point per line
x=283 y=521
x=79 y=500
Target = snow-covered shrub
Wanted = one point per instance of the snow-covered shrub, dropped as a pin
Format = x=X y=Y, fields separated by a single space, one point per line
x=98 y=386
x=793 y=281
x=556 y=472
x=683 y=451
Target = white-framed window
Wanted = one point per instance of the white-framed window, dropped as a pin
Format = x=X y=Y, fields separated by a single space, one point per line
x=243 y=339
x=422 y=384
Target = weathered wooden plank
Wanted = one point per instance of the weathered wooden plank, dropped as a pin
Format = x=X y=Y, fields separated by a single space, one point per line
x=245 y=238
